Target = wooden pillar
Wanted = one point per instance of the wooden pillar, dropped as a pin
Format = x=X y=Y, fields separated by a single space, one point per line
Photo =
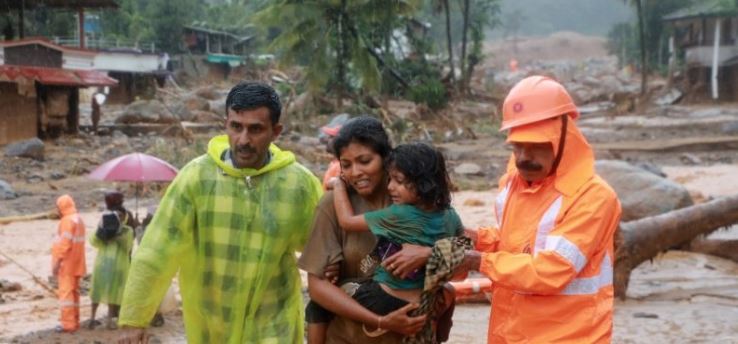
x=715 y=59
x=81 y=19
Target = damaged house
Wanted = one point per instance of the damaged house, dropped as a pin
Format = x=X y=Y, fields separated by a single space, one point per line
x=707 y=36
x=39 y=88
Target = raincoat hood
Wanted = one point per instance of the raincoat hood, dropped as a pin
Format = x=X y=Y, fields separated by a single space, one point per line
x=577 y=160
x=219 y=144
x=66 y=206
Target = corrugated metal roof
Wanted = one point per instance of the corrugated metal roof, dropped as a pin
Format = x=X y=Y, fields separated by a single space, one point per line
x=705 y=8
x=45 y=42
x=55 y=76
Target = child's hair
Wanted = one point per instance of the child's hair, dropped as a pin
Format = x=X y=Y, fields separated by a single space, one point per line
x=425 y=170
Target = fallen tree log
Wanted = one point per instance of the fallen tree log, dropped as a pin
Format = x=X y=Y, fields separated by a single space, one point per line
x=727 y=249
x=37 y=216
x=643 y=239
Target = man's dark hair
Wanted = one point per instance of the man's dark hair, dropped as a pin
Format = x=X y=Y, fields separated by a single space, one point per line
x=365 y=130
x=250 y=95
x=425 y=171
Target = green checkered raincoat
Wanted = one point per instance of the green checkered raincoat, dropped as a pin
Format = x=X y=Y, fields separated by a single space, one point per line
x=111 y=267
x=232 y=234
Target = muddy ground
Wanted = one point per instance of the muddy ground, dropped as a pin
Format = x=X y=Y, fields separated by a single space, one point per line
x=681 y=297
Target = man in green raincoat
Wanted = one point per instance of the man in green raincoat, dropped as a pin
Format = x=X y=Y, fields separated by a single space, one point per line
x=230 y=223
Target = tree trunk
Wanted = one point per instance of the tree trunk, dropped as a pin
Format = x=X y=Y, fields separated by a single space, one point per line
x=449 y=42
x=642 y=39
x=643 y=239
x=341 y=57
x=464 y=39
x=727 y=249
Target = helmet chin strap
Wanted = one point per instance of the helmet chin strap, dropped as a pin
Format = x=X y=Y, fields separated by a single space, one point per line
x=562 y=141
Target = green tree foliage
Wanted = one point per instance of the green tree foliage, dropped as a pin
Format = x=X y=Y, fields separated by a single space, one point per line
x=341 y=42
x=129 y=22
x=167 y=19
x=623 y=38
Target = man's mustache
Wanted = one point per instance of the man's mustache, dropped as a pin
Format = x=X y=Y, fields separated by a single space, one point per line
x=245 y=149
x=528 y=165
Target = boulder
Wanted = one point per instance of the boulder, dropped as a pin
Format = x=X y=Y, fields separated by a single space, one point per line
x=641 y=192
x=468 y=168
x=200 y=116
x=31 y=148
x=146 y=111
x=218 y=105
x=208 y=93
x=182 y=112
x=6 y=191
x=193 y=103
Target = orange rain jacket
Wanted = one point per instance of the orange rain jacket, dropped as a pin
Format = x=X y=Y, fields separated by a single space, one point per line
x=551 y=257
x=69 y=246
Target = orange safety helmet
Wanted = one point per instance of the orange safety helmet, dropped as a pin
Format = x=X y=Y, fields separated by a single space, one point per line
x=534 y=99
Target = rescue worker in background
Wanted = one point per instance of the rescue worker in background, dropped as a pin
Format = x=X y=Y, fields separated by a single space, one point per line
x=68 y=262
x=334 y=167
x=230 y=223
x=551 y=257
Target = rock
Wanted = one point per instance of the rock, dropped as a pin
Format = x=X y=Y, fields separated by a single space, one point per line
x=670 y=97
x=644 y=315
x=208 y=93
x=218 y=106
x=7 y=286
x=146 y=111
x=642 y=193
x=57 y=175
x=34 y=178
x=206 y=117
x=468 y=168
x=651 y=167
x=193 y=103
x=730 y=128
x=473 y=202
x=31 y=148
x=690 y=159
x=6 y=191
x=182 y=112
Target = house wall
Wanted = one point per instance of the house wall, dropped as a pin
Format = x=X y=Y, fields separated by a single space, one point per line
x=122 y=62
x=130 y=86
x=18 y=116
x=78 y=61
x=33 y=55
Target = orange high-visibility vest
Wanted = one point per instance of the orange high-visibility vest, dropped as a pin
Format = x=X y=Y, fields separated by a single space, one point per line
x=551 y=257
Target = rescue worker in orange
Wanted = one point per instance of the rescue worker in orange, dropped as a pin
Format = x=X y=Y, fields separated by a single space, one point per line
x=550 y=258
x=68 y=262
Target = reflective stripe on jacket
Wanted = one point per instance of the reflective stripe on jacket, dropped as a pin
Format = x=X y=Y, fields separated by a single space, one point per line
x=551 y=259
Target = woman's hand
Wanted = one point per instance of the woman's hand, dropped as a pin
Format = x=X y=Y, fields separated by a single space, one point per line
x=409 y=259
x=399 y=321
x=332 y=272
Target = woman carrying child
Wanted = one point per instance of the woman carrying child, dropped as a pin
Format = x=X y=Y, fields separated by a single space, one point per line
x=421 y=214
x=361 y=147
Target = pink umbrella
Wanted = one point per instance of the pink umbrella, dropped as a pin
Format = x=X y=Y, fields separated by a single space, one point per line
x=135 y=167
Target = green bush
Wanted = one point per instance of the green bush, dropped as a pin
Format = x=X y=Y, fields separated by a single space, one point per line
x=431 y=92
